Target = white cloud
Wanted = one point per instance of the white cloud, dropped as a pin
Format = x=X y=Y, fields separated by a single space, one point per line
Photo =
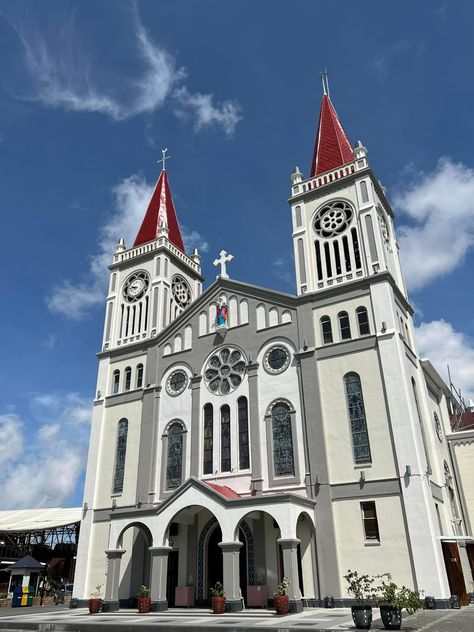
x=381 y=63
x=132 y=196
x=63 y=76
x=441 y=207
x=50 y=459
x=443 y=345
x=283 y=269
x=205 y=112
x=49 y=342
x=11 y=438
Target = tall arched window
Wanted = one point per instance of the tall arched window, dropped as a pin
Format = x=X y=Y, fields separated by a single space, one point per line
x=208 y=423
x=174 y=461
x=344 y=325
x=283 y=458
x=243 y=413
x=225 y=439
x=116 y=381
x=326 y=329
x=363 y=321
x=128 y=379
x=139 y=375
x=121 y=450
x=356 y=409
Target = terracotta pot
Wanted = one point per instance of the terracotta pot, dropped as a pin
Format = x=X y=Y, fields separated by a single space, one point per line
x=362 y=617
x=144 y=604
x=95 y=604
x=218 y=605
x=282 y=604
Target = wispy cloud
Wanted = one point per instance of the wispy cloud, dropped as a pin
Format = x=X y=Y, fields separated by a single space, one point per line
x=49 y=342
x=131 y=197
x=26 y=454
x=63 y=75
x=440 y=205
x=380 y=64
x=443 y=345
x=283 y=269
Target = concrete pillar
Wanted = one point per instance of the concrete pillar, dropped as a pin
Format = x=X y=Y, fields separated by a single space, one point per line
x=231 y=557
x=289 y=547
x=196 y=417
x=111 y=601
x=159 y=577
x=254 y=429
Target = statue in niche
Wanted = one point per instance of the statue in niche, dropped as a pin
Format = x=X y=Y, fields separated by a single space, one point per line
x=222 y=313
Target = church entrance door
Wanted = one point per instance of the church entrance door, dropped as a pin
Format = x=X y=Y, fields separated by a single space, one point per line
x=215 y=571
x=172 y=581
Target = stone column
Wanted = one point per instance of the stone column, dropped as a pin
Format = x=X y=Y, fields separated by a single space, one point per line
x=111 y=601
x=231 y=556
x=194 y=443
x=289 y=548
x=254 y=429
x=159 y=576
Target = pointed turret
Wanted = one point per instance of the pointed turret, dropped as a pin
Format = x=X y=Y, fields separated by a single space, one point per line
x=160 y=218
x=332 y=148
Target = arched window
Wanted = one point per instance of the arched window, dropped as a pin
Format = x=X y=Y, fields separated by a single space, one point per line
x=283 y=458
x=326 y=329
x=208 y=423
x=174 y=461
x=139 y=375
x=243 y=413
x=119 y=471
x=128 y=379
x=363 y=321
x=344 y=325
x=356 y=409
x=225 y=439
x=116 y=381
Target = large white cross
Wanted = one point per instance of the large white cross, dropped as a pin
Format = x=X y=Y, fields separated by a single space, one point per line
x=164 y=158
x=224 y=258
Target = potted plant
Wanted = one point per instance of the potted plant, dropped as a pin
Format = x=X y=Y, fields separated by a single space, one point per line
x=280 y=598
x=218 y=598
x=95 y=601
x=144 y=599
x=391 y=599
x=360 y=587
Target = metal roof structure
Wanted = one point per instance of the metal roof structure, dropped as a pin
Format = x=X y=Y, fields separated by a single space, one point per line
x=18 y=520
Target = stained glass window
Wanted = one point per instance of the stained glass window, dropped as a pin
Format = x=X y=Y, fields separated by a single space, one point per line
x=208 y=423
x=355 y=404
x=225 y=439
x=283 y=458
x=122 y=431
x=174 y=465
x=244 y=461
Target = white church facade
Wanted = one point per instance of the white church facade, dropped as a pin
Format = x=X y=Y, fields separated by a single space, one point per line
x=241 y=434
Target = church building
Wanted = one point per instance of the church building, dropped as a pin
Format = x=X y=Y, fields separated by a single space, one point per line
x=242 y=434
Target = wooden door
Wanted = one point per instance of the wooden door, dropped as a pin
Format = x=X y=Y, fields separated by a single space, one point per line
x=454 y=571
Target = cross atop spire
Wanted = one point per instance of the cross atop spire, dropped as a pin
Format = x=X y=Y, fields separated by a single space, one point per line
x=332 y=147
x=164 y=158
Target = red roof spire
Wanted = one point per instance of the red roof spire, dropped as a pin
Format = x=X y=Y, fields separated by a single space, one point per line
x=332 y=148
x=160 y=213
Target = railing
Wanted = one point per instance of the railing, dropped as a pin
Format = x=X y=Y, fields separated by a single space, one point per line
x=127 y=255
x=324 y=178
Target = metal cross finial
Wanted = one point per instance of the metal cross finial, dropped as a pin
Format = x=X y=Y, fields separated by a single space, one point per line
x=325 y=82
x=164 y=158
x=224 y=258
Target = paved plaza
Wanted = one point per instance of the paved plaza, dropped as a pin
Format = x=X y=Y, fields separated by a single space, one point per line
x=179 y=620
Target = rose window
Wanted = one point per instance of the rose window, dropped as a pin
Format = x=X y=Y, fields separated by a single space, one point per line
x=276 y=359
x=333 y=218
x=181 y=291
x=225 y=370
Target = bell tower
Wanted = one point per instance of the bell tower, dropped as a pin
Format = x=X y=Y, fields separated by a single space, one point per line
x=152 y=282
x=342 y=221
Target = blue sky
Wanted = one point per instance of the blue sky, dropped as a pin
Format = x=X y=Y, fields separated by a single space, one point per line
x=89 y=94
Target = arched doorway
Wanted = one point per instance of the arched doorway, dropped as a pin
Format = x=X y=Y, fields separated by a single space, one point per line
x=214 y=558
x=307 y=567
x=135 y=565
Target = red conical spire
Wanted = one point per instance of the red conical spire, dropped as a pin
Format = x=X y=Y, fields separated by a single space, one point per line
x=332 y=148
x=160 y=213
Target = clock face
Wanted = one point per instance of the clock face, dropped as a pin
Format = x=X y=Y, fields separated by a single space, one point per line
x=135 y=286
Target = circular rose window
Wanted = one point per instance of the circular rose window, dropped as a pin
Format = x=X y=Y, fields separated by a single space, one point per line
x=333 y=218
x=177 y=382
x=225 y=370
x=276 y=359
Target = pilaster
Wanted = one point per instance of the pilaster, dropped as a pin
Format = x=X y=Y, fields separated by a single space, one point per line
x=195 y=423
x=231 y=555
x=255 y=436
x=111 y=601
x=289 y=547
x=158 y=577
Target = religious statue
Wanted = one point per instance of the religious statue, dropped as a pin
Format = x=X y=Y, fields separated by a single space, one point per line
x=222 y=309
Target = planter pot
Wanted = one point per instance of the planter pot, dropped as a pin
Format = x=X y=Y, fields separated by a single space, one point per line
x=144 y=604
x=281 y=604
x=391 y=617
x=95 y=604
x=362 y=617
x=430 y=603
x=218 y=605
